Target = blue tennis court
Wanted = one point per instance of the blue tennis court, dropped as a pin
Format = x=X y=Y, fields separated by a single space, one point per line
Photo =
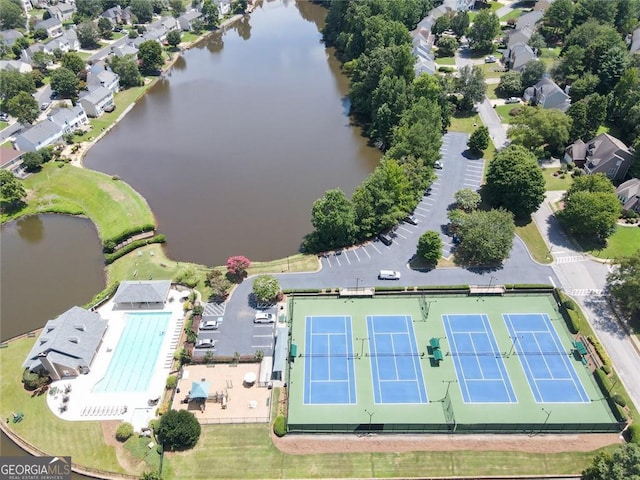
x=545 y=361
x=329 y=374
x=480 y=369
x=395 y=360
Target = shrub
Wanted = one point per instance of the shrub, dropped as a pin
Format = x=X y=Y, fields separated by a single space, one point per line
x=172 y=381
x=124 y=432
x=280 y=426
x=178 y=430
x=569 y=304
x=634 y=433
x=130 y=247
x=600 y=350
x=445 y=69
x=197 y=310
x=32 y=380
x=619 y=399
x=606 y=369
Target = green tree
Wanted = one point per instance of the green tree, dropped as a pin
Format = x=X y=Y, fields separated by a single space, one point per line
x=591 y=208
x=150 y=57
x=587 y=115
x=334 y=220
x=65 y=82
x=105 y=28
x=471 y=85
x=73 y=62
x=142 y=9
x=12 y=83
x=623 y=284
x=510 y=84
x=153 y=475
x=40 y=34
x=578 y=114
x=210 y=13
x=485 y=27
x=219 y=285
x=237 y=266
x=515 y=182
x=127 y=68
x=24 y=107
x=41 y=60
x=571 y=64
x=538 y=128
x=266 y=288
x=532 y=73
x=557 y=20
x=177 y=7
x=88 y=35
x=20 y=44
x=174 y=37
x=612 y=65
x=622 y=464
x=441 y=24
x=38 y=78
x=430 y=247
x=473 y=232
x=124 y=432
x=11 y=15
x=479 y=140
x=32 y=161
x=12 y=193
x=460 y=23
x=537 y=43
x=178 y=430
x=89 y=8
x=583 y=86
x=381 y=32
x=447 y=46
x=467 y=200
x=387 y=103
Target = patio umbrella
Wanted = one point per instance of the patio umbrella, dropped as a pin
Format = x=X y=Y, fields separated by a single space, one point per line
x=199 y=390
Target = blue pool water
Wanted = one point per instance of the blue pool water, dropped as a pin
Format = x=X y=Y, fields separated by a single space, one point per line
x=136 y=354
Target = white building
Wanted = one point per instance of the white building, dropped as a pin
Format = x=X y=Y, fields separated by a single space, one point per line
x=99 y=100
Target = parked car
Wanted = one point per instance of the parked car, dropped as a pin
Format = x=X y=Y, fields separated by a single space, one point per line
x=44 y=106
x=438 y=165
x=388 y=275
x=427 y=192
x=490 y=59
x=385 y=239
x=512 y=100
x=4 y=117
x=411 y=219
x=210 y=324
x=205 y=343
x=263 y=317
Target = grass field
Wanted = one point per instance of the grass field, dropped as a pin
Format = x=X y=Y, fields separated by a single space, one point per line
x=464 y=122
x=555 y=182
x=531 y=236
x=493 y=6
x=491 y=90
x=112 y=205
x=513 y=14
x=624 y=242
x=492 y=70
x=503 y=112
x=448 y=61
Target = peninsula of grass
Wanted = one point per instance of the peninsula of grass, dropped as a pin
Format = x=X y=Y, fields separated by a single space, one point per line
x=623 y=243
x=113 y=206
x=560 y=181
x=532 y=238
x=503 y=112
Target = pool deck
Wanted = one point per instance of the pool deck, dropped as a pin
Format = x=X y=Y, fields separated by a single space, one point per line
x=84 y=404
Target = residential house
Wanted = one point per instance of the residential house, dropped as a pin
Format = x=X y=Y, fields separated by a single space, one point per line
x=602 y=154
x=53 y=27
x=39 y=136
x=11 y=160
x=118 y=15
x=68 y=344
x=635 y=41
x=69 y=119
x=122 y=50
x=224 y=7
x=136 y=294
x=629 y=195
x=72 y=37
x=27 y=54
x=97 y=101
x=542 y=5
x=61 y=43
x=185 y=20
x=528 y=20
x=99 y=75
x=61 y=11
x=548 y=94
x=518 y=55
x=27 y=6
x=425 y=65
x=459 y=5
x=166 y=23
x=15 y=66
x=9 y=37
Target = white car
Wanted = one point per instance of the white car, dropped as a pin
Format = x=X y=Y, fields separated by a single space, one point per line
x=389 y=275
x=210 y=325
x=205 y=343
x=490 y=59
x=263 y=317
x=438 y=165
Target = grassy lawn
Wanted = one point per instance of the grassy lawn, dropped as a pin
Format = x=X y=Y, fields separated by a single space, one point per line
x=448 y=61
x=531 y=236
x=491 y=90
x=84 y=441
x=503 y=112
x=83 y=55
x=493 y=6
x=513 y=14
x=188 y=37
x=489 y=70
x=249 y=453
x=112 y=205
x=556 y=183
x=123 y=99
x=624 y=242
x=3 y=125
x=464 y=122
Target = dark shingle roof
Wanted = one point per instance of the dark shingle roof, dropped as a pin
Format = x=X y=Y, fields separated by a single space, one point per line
x=150 y=291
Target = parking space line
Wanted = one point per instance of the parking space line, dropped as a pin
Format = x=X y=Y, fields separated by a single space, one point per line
x=338 y=260
x=395 y=243
x=365 y=251
x=346 y=256
x=329 y=262
x=355 y=252
x=400 y=235
x=376 y=248
x=270 y=335
x=420 y=214
x=261 y=346
x=405 y=229
x=422 y=208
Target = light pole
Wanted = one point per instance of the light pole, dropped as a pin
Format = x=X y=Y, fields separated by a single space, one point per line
x=370 y=415
x=491 y=280
x=548 y=412
x=358 y=280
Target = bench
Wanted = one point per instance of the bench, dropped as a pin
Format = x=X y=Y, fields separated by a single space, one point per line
x=437 y=355
x=435 y=343
x=582 y=350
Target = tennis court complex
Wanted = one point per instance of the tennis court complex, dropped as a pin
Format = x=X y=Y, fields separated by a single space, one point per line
x=438 y=363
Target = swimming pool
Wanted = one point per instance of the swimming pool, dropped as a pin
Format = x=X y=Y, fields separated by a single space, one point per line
x=136 y=354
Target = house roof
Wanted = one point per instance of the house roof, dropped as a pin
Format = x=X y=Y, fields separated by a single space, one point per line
x=70 y=339
x=189 y=16
x=280 y=350
x=41 y=132
x=102 y=77
x=8 y=155
x=635 y=41
x=528 y=19
x=48 y=23
x=542 y=5
x=96 y=94
x=150 y=291
x=578 y=150
x=123 y=50
x=10 y=36
x=522 y=35
x=425 y=66
x=65 y=116
x=15 y=65
x=629 y=193
x=550 y=95
x=604 y=148
x=519 y=55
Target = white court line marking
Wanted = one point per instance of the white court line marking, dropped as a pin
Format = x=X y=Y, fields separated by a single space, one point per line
x=552 y=282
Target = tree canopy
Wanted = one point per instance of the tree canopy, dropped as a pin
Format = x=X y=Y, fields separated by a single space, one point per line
x=142 y=9
x=127 y=68
x=65 y=82
x=430 y=247
x=12 y=193
x=471 y=85
x=485 y=27
x=11 y=15
x=24 y=107
x=150 y=56
x=88 y=35
x=510 y=84
x=539 y=128
x=12 y=83
x=474 y=230
x=266 y=288
x=515 y=182
x=622 y=464
x=73 y=62
x=467 y=199
x=334 y=220
x=178 y=430
x=479 y=140
x=624 y=285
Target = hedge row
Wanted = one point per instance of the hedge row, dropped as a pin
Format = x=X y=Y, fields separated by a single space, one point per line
x=571 y=313
x=605 y=385
x=390 y=289
x=634 y=433
x=112 y=257
x=128 y=233
x=600 y=350
x=529 y=286
x=443 y=287
x=104 y=294
x=289 y=291
x=225 y=359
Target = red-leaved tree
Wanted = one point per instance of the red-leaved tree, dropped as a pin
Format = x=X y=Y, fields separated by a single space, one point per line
x=237 y=266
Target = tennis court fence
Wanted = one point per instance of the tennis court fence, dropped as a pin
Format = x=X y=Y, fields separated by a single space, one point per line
x=448 y=354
